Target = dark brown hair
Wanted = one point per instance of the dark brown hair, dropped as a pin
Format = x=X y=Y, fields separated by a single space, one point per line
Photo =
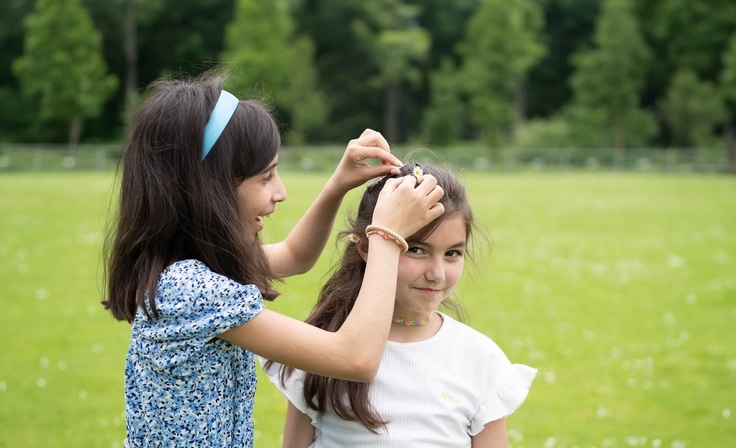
x=350 y=399
x=173 y=205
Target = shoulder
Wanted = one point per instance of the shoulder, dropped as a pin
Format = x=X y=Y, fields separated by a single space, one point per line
x=191 y=285
x=195 y=275
x=472 y=341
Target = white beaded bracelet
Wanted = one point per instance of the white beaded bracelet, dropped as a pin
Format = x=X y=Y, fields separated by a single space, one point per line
x=387 y=234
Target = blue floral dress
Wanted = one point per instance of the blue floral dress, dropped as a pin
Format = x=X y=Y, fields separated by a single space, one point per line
x=184 y=387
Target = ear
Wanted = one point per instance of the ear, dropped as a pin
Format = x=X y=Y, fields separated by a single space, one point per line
x=362 y=247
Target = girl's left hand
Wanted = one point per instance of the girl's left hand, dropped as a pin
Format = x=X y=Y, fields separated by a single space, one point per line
x=353 y=170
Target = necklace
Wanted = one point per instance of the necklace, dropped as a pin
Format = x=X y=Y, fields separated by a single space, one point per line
x=412 y=323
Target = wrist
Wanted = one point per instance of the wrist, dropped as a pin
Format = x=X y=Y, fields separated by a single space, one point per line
x=387 y=234
x=333 y=189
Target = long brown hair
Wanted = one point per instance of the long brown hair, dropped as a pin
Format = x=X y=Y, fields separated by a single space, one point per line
x=173 y=205
x=349 y=399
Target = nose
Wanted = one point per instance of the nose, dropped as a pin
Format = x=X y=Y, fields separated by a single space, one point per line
x=279 y=194
x=435 y=271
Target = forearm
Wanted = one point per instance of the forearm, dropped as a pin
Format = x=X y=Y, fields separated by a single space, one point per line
x=354 y=351
x=369 y=322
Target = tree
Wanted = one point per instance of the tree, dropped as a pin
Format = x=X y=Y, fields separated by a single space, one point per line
x=727 y=84
x=694 y=108
x=443 y=117
x=17 y=116
x=501 y=45
x=688 y=34
x=396 y=43
x=608 y=80
x=275 y=62
x=569 y=26
x=727 y=78
x=62 y=64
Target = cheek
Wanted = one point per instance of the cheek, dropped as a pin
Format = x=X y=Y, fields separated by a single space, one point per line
x=408 y=271
x=453 y=273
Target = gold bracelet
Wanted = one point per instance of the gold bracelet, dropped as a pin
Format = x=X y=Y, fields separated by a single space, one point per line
x=386 y=234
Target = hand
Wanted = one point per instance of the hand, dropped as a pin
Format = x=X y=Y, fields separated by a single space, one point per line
x=353 y=170
x=406 y=204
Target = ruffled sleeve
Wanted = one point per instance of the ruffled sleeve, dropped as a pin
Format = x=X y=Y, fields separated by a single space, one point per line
x=291 y=389
x=510 y=392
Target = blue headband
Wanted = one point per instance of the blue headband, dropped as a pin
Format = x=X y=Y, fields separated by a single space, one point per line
x=221 y=114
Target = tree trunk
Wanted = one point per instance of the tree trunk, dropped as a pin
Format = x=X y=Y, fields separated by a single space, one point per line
x=131 y=60
x=519 y=105
x=392 y=112
x=75 y=130
x=731 y=148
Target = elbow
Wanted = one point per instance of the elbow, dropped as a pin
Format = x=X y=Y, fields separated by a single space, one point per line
x=303 y=264
x=364 y=369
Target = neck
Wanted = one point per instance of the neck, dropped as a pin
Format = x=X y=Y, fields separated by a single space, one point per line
x=413 y=323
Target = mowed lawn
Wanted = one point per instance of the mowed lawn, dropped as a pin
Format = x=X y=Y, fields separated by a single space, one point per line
x=619 y=288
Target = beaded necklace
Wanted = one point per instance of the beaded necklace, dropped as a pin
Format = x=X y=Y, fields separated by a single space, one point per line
x=412 y=323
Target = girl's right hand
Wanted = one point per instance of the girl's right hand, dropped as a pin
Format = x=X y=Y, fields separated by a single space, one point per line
x=406 y=204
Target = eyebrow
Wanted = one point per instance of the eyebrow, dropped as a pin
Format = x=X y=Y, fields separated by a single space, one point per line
x=458 y=245
x=270 y=168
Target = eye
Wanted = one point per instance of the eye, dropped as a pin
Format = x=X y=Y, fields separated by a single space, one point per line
x=269 y=175
x=454 y=253
x=415 y=250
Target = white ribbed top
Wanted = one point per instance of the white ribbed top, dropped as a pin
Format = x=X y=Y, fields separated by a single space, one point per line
x=434 y=393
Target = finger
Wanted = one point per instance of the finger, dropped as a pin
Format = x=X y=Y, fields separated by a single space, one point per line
x=374 y=138
x=376 y=152
x=392 y=184
x=436 y=194
x=436 y=210
x=427 y=182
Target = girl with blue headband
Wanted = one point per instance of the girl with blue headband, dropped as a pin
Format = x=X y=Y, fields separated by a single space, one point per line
x=185 y=266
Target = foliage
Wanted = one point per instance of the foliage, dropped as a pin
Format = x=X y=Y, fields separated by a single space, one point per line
x=501 y=46
x=544 y=133
x=694 y=108
x=62 y=64
x=569 y=25
x=609 y=78
x=396 y=44
x=689 y=34
x=728 y=74
x=443 y=118
x=337 y=77
x=273 y=62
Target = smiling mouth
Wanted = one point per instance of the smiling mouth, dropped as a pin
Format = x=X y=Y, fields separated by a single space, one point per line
x=430 y=290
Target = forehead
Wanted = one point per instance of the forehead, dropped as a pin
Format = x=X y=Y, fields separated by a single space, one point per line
x=450 y=232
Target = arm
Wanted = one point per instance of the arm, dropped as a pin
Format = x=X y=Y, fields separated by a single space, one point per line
x=493 y=435
x=301 y=248
x=298 y=429
x=354 y=351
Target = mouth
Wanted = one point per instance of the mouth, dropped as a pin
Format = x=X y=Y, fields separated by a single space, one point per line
x=430 y=291
x=259 y=222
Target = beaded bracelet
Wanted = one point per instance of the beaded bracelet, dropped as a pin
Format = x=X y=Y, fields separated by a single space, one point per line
x=387 y=234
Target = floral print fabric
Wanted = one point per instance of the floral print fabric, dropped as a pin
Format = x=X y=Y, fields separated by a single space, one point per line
x=183 y=385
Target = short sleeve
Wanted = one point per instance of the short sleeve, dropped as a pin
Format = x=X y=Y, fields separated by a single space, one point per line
x=292 y=388
x=195 y=305
x=511 y=390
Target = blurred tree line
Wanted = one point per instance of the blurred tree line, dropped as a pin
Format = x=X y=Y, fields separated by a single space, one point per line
x=499 y=73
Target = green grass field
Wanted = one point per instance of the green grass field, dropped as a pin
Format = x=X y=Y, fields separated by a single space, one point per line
x=619 y=288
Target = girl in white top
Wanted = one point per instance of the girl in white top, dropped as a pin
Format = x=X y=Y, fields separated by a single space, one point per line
x=440 y=382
